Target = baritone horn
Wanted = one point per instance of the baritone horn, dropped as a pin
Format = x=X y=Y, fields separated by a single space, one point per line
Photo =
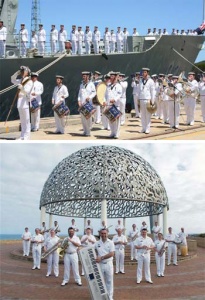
x=51 y=250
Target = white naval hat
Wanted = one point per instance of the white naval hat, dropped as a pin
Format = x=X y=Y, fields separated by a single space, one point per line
x=85 y=73
x=60 y=76
x=146 y=69
x=34 y=74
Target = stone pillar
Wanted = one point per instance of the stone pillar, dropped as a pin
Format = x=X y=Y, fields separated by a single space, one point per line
x=43 y=215
x=104 y=211
x=85 y=224
x=50 y=220
x=164 y=220
x=124 y=224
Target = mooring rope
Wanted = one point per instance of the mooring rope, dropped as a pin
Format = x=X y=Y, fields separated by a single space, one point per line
x=40 y=71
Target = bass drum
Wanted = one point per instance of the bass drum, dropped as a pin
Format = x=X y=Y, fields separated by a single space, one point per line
x=100 y=94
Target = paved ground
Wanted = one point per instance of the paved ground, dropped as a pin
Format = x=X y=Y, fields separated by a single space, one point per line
x=18 y=281
x=130 y=131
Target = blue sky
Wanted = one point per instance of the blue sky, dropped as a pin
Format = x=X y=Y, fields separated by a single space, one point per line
x=26 y=167
x=179 y=14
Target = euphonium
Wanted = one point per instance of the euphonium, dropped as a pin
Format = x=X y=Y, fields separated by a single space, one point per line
x=64 y=246
x=51 y=250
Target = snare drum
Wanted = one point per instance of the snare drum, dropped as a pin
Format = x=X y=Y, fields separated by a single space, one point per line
x=87 y=110
x=112 y=113
x=61 y=109
x=34 y=105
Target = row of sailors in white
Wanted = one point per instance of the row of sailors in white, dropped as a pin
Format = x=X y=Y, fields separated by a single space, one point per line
x=174 y=32
x=58 y=36
x=3 y=36
x=29 y=88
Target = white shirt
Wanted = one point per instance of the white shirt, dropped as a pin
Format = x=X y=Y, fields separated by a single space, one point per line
x=41 y=35
x=26 y=235
x=124 y=86
x=105 y=248
x=88 y=36
x=62 y=35
x=140 y=241
x=89 y=239
x=37 y=238
x=38 y=90
x=23 y=35
x=202 y=88
x=119 y=35
x=86 y=90
x=51 y=241
x=73 y=35
x=60 y=93
x=146 y=90
x=53 y=35
x=113 y=91
x=156 y=229
x=24 y=94
x=3 y=33
x=80 y=36
x=107 y=36
x=72 y=248
x=96 y=36
x=118 y=238
x=133 y=234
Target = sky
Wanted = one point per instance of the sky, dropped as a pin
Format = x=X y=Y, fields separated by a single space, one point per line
x=26 y=167
x=178 y=14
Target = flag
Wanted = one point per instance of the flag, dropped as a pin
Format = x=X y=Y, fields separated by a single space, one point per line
x=200 y=29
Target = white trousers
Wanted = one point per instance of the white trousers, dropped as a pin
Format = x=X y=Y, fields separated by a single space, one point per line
x=53 y=47
x=115 y=128
x=87 y=124
x=52 y=261
x=143 y=260
x=80 y=47
x=190 y=106
x=97 y=114
x=159 y=108
x=119 y=258
x=122 y=109
x=26 y=247
x=203 y=107
x=145 y=115
x=107 y=271
x=35 y=119
x=133 y=251
x=165 y=110
x=74 y=47
x=87 y=47
x=174 y=113
x=160 y=263
x=107 y=47
x=23 y=49
x=36 y=252
x=172 y=250
x=112 y=47
x=96 y=47
x=61 y=45
x=119 y=46
x=60 y=123
x=71 y=261
x=41 y=48
x=25 y=123
x=137 y=113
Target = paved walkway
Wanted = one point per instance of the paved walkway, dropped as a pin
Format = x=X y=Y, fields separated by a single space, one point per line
x=129 y=131
x=18 y=281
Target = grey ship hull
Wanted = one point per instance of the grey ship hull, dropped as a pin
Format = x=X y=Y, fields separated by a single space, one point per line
x=160 y=58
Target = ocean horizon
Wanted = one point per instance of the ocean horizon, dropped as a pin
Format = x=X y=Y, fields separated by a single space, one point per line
x=7 y=237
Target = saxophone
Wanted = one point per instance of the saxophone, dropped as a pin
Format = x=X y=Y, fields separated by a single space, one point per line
x=162 y=250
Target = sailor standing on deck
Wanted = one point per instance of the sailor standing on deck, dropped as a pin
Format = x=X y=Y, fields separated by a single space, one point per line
x=105 y=249
x=112 y=41
x=35 y=95
x=190 y=100
x=96 y=40
x=145 y=94
x=106 y=39
x=119 y=39
x=113 y=96
x=86 y=93
x=73 y=38
x=80 y=40
x=53 y=39
x=202 y=96
x=3 y=35
x=34 y=40
x=88 y=39
x=62 y=37
x=23 y=36
x=25 y=84
x=60 y=93
x=41 y=40
x=125 y=35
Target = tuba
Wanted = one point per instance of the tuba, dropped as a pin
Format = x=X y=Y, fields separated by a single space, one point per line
x=64 y=245
x=51 y=250
x=187 y=92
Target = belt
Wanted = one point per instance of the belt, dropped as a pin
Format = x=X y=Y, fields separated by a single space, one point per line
x=104 y=263
x=72 y=253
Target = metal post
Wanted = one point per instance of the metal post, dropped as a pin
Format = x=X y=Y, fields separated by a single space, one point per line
x=104 y=211
x=124 y=224
x=50 y=220
x=165 y=221
x=43 y=215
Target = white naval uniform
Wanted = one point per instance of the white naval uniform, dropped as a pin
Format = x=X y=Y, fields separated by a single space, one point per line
x=119 y=252
x=23 y=104
x=87 y=243
x=172 y=248
x=133 y=251
x=158 y=97
x=97 y=114
x=96 y=41
x=134 y=85
x=202 y=99
x=143 y=257
x=3 y=36
x=88 y=40
x=52 y=258
x=62 y=37
x=41 y=41
x=112 y=42
x=106 y=39
x=26 y=237
x=160 y=260
x=174 y=106
x=53 y=40
x=34 y=41
x=85 y=91
x=145 y=93
x=104 y=119
x=119 y=39
x=23 y=34
x=36 y=249
x=124 y=86
x=73 y=38
x=165 y=107
x=80 y=42
x=114 y=91
x=35 y=116
x=125 y=46
x=106 y=265
x=190 y=103
x=71 y=261
x=60 y=93
x=156 y=229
